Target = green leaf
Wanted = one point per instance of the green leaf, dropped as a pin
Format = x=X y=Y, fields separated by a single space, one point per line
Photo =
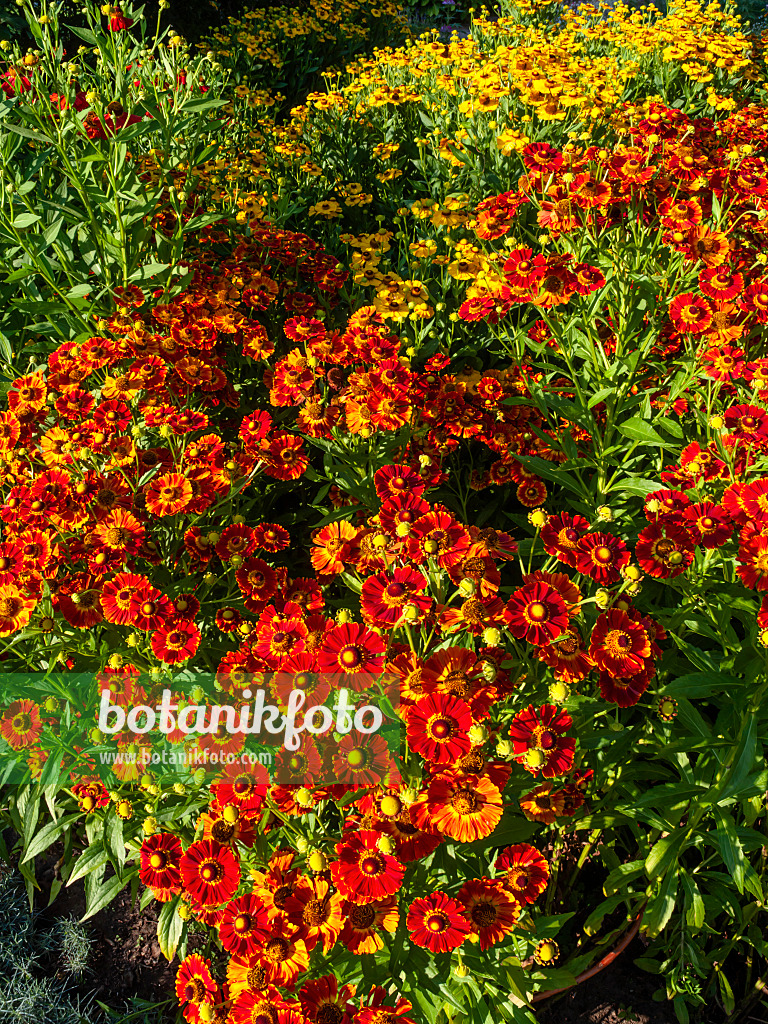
x=743 y=759
x=113 y=833
x=79 y=291
x=694 y=911
x=664 y=853
x=85 y=34
x=169 y=929
x=637 y=429
x=47 y=836
x=199 y=105
x=700 y=684
x=91 y=859
x=660 y=909
x=29 y=134
x=26 y=220
x=727 y=841
x=104 y=896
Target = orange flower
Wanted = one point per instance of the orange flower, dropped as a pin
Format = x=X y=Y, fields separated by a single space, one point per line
x=332 y=547
x=169 y=494
x=464 y=809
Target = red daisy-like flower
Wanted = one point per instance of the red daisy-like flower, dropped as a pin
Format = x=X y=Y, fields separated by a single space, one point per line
x=397 y=482
x=690 y=313
x=437 y=923
x=524 y=871
x=625 y=691
x=160 y=860
x=148 y=608
x=490 y=908
x=385 y=595
x=438 y=728
x=210 y=873
x=244 y=925
x=363 y=925
x=464 y=808
x=363 y=874
x=707 y=524
x=720 y=283
x=665 y=504
x=536 y=613
x=602 y=557
x=169 y=494
x=194 y=981
x=21 y=725
x=619 y=646
x=560 y=536
x=175 y=641
x=664 y=549
x=437 y=536
x=351 y=650
x=271 y=537
x=752 y=559
x=724 y=363
x=360 y=759
x=539 y=741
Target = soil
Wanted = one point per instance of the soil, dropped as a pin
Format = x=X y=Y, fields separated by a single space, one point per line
x=127 y=961
x=621 y=994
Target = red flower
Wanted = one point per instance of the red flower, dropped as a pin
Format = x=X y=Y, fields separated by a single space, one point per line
x=351 y=650
x=525 y=872
x=560 y=536
x=625 y=691
x=160 y=859
x=690 y=313
x=601 y=556
x=332 y=547
x=707 y=524
x=385 y=595
x=363 y=874
x=465 y=808
x=118 y=22
x=724 y=363
x=619 y=646
x=437 y=923
x=210 y=872
x=437 y=536
x=539 y=742
x=664 y=550
x=194 y=981
x=665 y=504
x=244 y=925
x=438 y=728
x=490 y=908
x=720 y=283
x=175 y=641
x=752 y=561
x=537 y=613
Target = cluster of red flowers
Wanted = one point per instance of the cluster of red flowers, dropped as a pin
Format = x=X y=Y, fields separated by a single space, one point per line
x=674 y=174
x=269 y=921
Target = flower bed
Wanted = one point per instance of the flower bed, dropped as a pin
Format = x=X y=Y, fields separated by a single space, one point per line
x=454 y=440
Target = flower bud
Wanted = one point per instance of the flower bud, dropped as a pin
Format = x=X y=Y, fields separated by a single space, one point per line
x=538 y=518
x=303 y=797
x=317 y=861
x=477 y=734
x=386 y=845
x=492 y=636
x=602 y=598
